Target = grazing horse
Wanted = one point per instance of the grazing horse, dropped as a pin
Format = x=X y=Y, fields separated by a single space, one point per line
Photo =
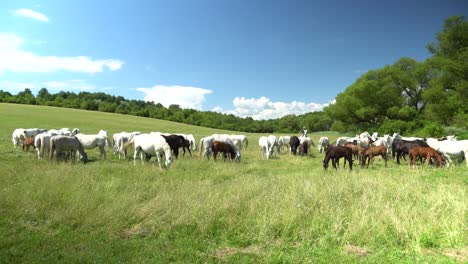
x=335 y=153
x=242 y=139
x=272 y=143
x=17 y=137
x=225 y=148
x=27 y=143
x=310 y=143
x=355 y=148
x=403 y=147
x=151 y=144
x=264 y=147
x=294 y=143
x=368 y=153
x=176 y=142
x=304 y=148
x=99 y=140
x=452 y=149
x=283 y=141
x=323 y=144
x=425 y=153
x=206 y=147
x=118 y=139
x=61 y=144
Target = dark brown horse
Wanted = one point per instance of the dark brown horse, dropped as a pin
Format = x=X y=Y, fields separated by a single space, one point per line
x=367 y=154
x=335 y=154
x=294 y=143
x=426 y=153
x=175 y=142
x=224 y=148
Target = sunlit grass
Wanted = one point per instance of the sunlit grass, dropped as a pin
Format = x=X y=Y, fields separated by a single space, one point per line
x=287 y=209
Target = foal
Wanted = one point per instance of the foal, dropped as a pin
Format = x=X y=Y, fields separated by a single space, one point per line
x=368 y=153
x=425 y=153
x=225 y=148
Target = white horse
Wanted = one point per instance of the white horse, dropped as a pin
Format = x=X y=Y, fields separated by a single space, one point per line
x=397 y=137
x=273 y=142
x=244 y=143
x=323 y=144
x=206 y=145
x=119 y=140
x=152 y=144
x=264 y=147
x=99 y=140
x=385 y=141
x=71 y=144
x=283 y=141
x=450 y=149
x=17 y=137
x=32 y=132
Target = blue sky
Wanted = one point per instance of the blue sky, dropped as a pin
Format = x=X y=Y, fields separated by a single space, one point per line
x=262 y=59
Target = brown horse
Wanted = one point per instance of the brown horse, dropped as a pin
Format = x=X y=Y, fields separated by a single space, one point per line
x=367 y=154
x=27 y=143
x=225 y=148
x=335 y=153
x=426 y=153
x=356 y=149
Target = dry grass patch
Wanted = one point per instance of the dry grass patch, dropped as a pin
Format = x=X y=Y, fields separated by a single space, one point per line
x=460 y=254
x=356 y=251
x=229 y=251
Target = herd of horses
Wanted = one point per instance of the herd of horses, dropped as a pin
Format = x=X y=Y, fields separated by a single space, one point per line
x=63 y=144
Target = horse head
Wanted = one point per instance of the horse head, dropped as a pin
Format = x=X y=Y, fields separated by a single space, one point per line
x=238 y=156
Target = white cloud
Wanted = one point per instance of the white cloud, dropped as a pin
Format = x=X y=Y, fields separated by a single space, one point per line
x=52 y=86
x=31 y=14
x=263 y=108
x=184 y=96
x=14 y=59
x=14 y=87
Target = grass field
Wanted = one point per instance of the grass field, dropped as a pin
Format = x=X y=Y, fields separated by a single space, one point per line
x=287 y=209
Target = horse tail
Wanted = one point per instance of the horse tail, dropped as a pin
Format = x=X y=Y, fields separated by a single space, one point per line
x=125 y=145
x=52 y=148
x=246 y=142
x=201 y=146
x=42 y=147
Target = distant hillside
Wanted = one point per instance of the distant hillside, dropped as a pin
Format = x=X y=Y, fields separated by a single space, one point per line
x=315 y=121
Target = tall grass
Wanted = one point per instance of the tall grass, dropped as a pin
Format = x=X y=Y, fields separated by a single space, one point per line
x=287 y=209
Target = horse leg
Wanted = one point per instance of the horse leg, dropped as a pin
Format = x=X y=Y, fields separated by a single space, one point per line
x=384 y=156
x=350 y=161
x=369 y=159
x=158 y=156
x=334 y=162
x=135 y=154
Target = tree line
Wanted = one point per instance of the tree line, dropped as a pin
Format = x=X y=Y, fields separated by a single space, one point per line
x=315 y=121
x=428 y=98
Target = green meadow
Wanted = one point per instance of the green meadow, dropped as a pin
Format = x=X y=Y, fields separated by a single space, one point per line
x=284 y=210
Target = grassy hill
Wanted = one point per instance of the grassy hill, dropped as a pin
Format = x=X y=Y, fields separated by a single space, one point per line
x=287 y=209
